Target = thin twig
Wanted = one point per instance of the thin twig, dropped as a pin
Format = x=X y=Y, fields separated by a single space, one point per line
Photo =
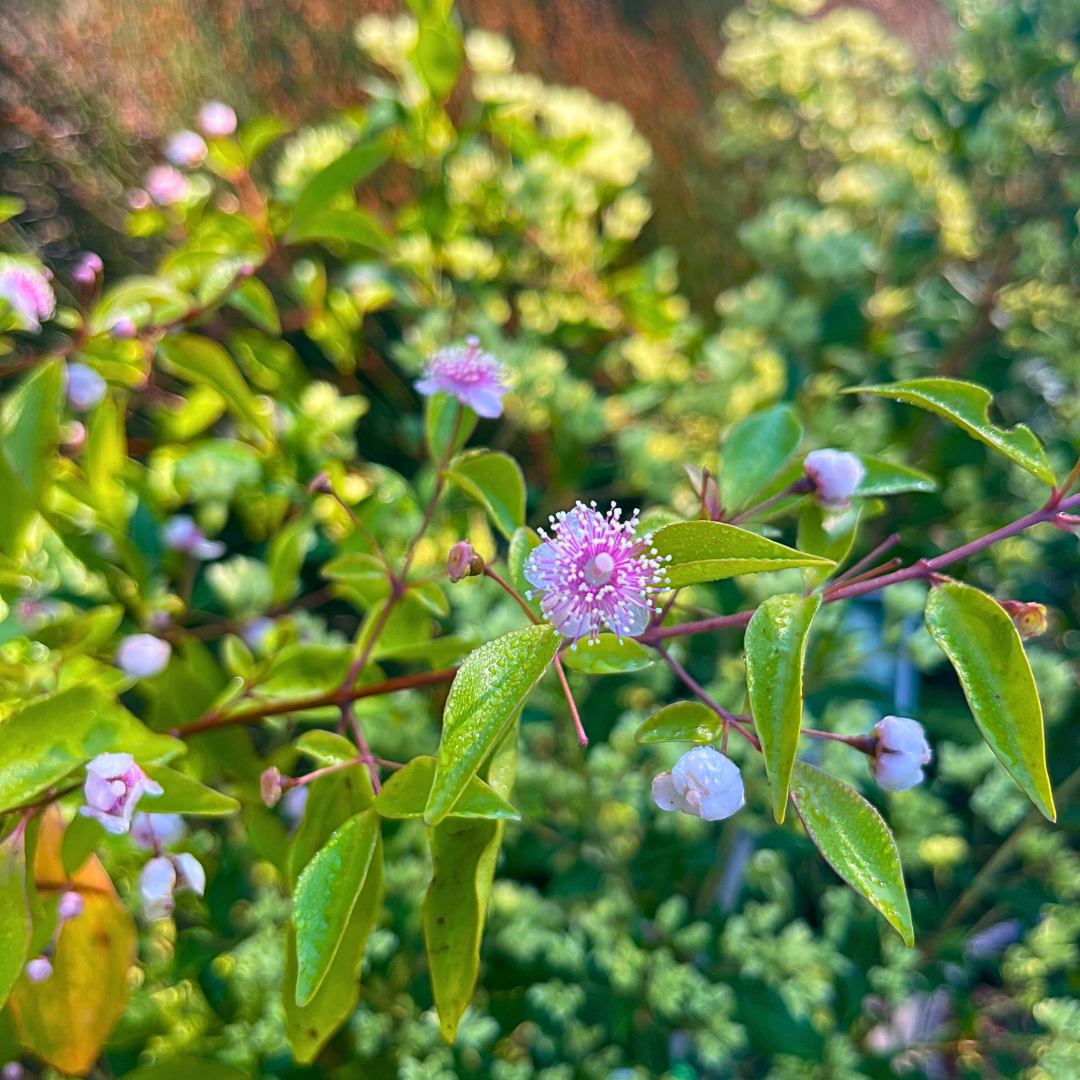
x=582 y=738
x=868 y=560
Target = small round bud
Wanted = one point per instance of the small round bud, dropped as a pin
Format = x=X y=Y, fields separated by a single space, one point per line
x=270 y=786
x=39 y=969
x=85 y=387
x=86 y=268
x=142 y=655
x=70 y=905
x=166 y=185
x=320 y=482
x=123 y=328
x=463 y=561
x=704 y=783
x=836 y=475
x=216 y=120
x=185 y=149
x=13 y=1070
x=902 y=751
x=1029 y=619
x=73 y=437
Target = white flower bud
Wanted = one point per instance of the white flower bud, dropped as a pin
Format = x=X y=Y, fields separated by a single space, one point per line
x=216 y=119
x=185 y=149
x=703 y=783
x=836 y=474
x=39 y=969
x=85 y=387
x=142 y=655
x=156 y=884
x=902 y=751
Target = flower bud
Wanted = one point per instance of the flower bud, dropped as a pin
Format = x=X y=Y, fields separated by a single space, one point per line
x=1029 y=619
x=185 y=149
x=190 y=874
x=13 y=1070
x=258 y=634
x=151 y=832
x=216 y=120
x=73 y=437
x=463 y=561
x=142 y=655
x=270 y=786
x=836 y=475
x=704 y=783
x=320 y=482
x=166 y=874
x=705 y=489
x=902 y=751
x=39 y=969
x=85 y=387
x=182 y=534
x=166 y=185
x=123 y=328
x=114 y=785
x=86 y=268
x=70 y=905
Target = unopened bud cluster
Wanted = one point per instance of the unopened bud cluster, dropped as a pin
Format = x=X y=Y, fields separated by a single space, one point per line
x=464 y=561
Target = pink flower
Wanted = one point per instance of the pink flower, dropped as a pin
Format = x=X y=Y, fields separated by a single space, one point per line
x=70 y=906
x=463 y=561
x=39 y=969
x=85 y=387
x=182 y=534
x=902 y=751
x=704 y=783
x=594 y=572
x=28 y=294
x=166 y=874
x=114 y=785
x=836 y=475
x=153 y=831
x=185 y=149
x=123 y=328
x=468 y=373
x=142 y=655
x=216 y=120
x=86 y=268
x=166 y=185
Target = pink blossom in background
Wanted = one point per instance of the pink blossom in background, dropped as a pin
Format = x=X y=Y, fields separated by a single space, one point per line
x=28 y=294
x=114 y=785
x=468 y=373
x=216 y=120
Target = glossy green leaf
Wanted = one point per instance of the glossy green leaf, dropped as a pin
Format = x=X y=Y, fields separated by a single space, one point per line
x=252 y=298
x=441 y=425
x=105 y=459
x=685 y=721
x=494 y=480
x=775 y=643
x=755 y=450
x=855 y=841
x=145 y=300
x=713 y=550
x=199 y=360
x=45 y=742
x=437 y=54
x=15 y=924
x=977 y=635
x=887 y=478
x=82 y=838
x=405 y=795
x=830 y=534
x=301 y=669
x=522 y=543
x=429 y=595
x=285 y=557
x=463 y=855
x=182 y=795
x=607 y=655
x=309 y=1027
x=326 y=747
x=967 y=404
x=363 y=576
x=339 y=176
x=331 y=801
x=325 y=896
x=487 y=692
x=224 y=158
x=354 y=226
x=260 y=134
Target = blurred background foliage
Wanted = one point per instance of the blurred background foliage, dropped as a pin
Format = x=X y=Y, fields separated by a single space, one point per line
x=797 y=200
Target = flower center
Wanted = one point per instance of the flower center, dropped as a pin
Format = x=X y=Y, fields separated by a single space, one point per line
x=599 y=568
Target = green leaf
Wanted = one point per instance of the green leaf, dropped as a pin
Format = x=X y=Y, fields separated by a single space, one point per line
x=15 y=924
x=331 y=801
x=301 y=669
x=855 y=841
x=354 y=226
x=486 y=694
x=285 y=558
x=430 y=596
x=829 y=534
x=10 y=206
x=339 y=176
x=405 y=795
x=43 y=743
x=685 y=721
x=755 y=450
x=182 y=795
x=204 y=362
x=440 y=418
x=967 y=404
x=145 y=300
x=463 y=855
x=713 y=550
x=82 y=838
x=326 y=747
x=325 y=897
x=104 y=461
x=310 y=1027
x=225 y=158
x=977 y=635
x=494 y=480
x=887 y=478
x=364 y=575
x=522 y=543
x=185 y=1068
x=437 y=54
x=252 y=298
x=259 y=134
x=776 y=639
x=607 y=655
